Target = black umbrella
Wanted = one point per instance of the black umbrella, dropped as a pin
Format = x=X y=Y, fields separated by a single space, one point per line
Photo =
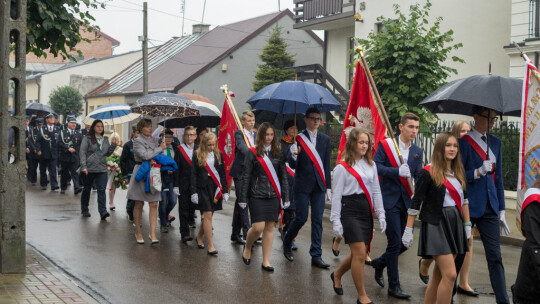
x=278 y=120
x=36 y=108
x=207 y=118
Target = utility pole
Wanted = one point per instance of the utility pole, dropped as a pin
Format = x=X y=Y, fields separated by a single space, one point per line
x=204 y=8
x=183 y=10
x=145 y=48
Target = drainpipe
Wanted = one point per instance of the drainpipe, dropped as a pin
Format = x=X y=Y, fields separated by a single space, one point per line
x=38 y=89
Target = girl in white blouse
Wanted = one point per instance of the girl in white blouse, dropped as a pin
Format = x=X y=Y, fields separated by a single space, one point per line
x=356 y=194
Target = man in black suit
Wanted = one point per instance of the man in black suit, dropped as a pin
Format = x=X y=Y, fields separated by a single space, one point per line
x=185 y=207
x=31 y=140
x=240 y=215
x=69 y=145
x=47 y=147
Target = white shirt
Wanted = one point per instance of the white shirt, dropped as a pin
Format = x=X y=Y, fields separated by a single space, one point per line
x=448 y=200
x=267 y=149
x=477 y=136
x=50 y=128
x=346 y=184
x=189 y=150
x=312 y=137
x=404 y=151
x=250 y=136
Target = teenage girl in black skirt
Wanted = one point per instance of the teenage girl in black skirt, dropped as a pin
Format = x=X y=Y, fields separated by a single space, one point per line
x=446 y=226
x=351 y=212
x=260 y=195
x=204 y=188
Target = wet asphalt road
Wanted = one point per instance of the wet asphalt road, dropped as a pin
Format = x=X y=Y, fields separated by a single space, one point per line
x=105 y=260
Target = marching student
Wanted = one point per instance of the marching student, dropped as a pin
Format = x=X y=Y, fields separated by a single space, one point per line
x=208 y=187
x=69 y=146
x=240 y=221
x=396 y=197
x=356 y=196
x=288 y=214
x=440 y=201
x=311 y=184
x=265 y=188
x=185 y=161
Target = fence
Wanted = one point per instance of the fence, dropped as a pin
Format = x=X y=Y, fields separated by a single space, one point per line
x=508 y=132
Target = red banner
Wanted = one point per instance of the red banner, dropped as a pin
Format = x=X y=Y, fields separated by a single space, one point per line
x=362 y=112
x=226 y=139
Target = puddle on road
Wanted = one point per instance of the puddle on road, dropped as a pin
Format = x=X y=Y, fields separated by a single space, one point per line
x=57 y=219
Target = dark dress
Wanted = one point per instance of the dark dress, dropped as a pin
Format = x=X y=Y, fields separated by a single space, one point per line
x=526 y=290
x=204 y=186
x=259 y=193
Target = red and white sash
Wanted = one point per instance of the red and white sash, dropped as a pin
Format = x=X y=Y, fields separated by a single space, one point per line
x=184 y=153
x=289 y=170
x=390 y=149
x=215 y=177
x=358 y=177
x=313 y=155
x=271 y=173
x=531 y=195
x=480 y=147
x=454 y=194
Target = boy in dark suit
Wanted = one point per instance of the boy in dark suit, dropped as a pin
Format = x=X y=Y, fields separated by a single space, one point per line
x=185 y=207
x=396 y=197
x=311 y=184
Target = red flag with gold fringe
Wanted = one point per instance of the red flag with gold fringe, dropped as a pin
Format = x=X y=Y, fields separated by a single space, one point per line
x=226 y=139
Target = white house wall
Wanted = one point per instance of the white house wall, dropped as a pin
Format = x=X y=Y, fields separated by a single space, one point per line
x=337 y=48
x=241 y=68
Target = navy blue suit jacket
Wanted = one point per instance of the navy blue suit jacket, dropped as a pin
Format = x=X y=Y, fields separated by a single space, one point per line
x=307 y=179
x=479 y=191
x=391 y=187
x=240 y=151
x=47 y=142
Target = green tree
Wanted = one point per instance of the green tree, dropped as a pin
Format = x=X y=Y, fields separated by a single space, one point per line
x=406 y=58
x=275 y=58
x=66 y=99
x=53 y=25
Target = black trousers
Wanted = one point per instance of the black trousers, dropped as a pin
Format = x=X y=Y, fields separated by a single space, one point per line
x=32 y=170
x=44 y=165
x=240 y=221
x=185 y=212
x=69 y=171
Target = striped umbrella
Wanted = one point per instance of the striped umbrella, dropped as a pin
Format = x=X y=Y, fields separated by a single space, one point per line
x=112 y=114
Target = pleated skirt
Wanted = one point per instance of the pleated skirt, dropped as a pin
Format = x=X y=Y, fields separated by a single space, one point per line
x=446 y=238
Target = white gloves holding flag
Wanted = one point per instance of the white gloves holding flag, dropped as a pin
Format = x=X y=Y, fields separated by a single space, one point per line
x=195 y=198
x=407 y=238
x=176 y=191
x=225 y=197
x=242 y=205
x=404 y=171
x=486 y=167
x=294 y=150
x=285 y=205
x=338 y=228
x=502 y=223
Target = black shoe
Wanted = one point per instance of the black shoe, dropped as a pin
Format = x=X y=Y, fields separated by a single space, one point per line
x=378 y=273
x=170 y=220
x=55 y=188
x=338 y=290
x=43 y=188
x=86 y=214
x=191 y=225
x=368 y=262
x=130 y=216
x=237 y=239
x=214 y=253
x=335 y=252
x=186 y=239
x=246 y=261
x=470 y=293
x=293 y=246
x=396 y=292
x=163 y=229
x=287 y=252
x=105 y=215
x=358 y=302
x=62 y=191
x=201 y=245
x=318 y=262
x=424 y=278
x=78 y=190
x=259 y=241
x=113 y=208
x=267 y=268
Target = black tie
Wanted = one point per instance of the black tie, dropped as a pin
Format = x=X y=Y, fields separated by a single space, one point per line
x=484 y=138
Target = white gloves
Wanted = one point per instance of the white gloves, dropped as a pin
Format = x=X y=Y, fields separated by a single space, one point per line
x=195 y=198
x=404 y=171
x=285 y=205
x=468 y=231
x=176 y=191
x=338 y=229
x=328 y=198
x=486 y=167
x=407 y=238
x=242 y=205
x=225 y=197
x=382 y=223
x=294 y=150
x=502 y=223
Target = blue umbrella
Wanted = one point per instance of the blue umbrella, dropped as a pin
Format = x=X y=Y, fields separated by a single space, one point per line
x=291 y=97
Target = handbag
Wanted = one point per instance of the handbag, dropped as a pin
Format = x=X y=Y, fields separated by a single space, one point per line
x=155 y=178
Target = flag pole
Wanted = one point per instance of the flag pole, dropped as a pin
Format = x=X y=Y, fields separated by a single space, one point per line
x=225 y=90
x=360 y=51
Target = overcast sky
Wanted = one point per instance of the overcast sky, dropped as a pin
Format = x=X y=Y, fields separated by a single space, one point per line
x=123 y=19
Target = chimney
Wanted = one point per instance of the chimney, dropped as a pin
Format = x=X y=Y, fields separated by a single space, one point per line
x=201 y=28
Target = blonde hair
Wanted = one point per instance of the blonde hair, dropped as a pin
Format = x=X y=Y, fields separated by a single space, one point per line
x=438 y=162
x=246 y=114
x=202 y=153
x=456 y=128
x=352 y=139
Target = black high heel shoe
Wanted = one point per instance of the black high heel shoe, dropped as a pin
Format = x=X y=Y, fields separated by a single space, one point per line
x=338 y=290
x=358 y=302
x=267 y=268
x=335 y=252
x=246 y=261
x=424 y=278
x=199 y=245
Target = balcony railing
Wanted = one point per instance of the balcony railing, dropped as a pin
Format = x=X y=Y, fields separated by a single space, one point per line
x=325 y=10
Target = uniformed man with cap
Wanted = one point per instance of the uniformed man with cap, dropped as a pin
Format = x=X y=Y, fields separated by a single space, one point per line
x=31 y=140
x=68 y=145
x=47 y=149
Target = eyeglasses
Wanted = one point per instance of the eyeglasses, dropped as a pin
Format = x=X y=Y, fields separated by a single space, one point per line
x=314 y=119
x=493 y=118
x=190 y=135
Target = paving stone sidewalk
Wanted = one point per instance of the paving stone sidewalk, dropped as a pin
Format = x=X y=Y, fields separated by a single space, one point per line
x=42 y=283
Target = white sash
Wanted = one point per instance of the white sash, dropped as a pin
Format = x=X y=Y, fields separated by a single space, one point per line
x=478 y=140
x=216 y=176
x=314 y=152
x=365 y=179
x=393 y=149
x=186 y=151
x=272 y=172
x=530 y=192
